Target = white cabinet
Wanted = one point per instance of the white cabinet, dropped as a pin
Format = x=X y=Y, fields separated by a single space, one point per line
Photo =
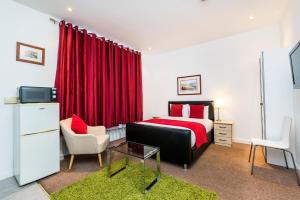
x=223 y=133
x=36 y=141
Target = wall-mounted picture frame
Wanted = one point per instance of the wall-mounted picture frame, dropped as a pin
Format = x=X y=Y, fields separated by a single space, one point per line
x=189 y=85
x=30 y=54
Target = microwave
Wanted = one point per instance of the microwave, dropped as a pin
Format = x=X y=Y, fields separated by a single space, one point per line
x=29 y=94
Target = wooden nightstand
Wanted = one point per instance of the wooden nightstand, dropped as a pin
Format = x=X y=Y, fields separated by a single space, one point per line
x=223 y=133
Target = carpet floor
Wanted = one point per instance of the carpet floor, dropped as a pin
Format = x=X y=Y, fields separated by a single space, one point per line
x=223 y=170
x=128 y=185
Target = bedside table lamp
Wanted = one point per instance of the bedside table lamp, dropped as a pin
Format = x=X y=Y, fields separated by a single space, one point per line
x=219 y=104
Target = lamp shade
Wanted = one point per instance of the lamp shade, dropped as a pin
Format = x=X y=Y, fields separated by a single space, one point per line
x=219 y=103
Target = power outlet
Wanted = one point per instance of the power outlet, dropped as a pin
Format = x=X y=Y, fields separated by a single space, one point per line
x=11 y=100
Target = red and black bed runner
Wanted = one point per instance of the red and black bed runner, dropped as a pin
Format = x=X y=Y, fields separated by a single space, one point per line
x=197 y=128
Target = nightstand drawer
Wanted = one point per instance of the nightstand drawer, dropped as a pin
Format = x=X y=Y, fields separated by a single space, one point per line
x=223 y=141
x=222 y=133
x=223 y=127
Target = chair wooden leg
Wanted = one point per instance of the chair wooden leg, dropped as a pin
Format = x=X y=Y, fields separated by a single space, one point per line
x=100 y=159
x=253 y=159
x=250 y=151
x=71 y=162
x=286 y=163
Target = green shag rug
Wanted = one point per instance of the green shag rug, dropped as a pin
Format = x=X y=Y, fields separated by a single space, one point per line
x=128 y=185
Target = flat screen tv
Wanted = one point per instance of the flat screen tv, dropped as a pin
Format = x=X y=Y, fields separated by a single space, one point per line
x=295 y=65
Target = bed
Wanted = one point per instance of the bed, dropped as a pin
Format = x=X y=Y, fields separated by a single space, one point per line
x=176 y=144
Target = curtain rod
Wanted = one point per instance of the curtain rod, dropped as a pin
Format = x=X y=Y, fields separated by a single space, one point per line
x=53 y=20
x=57 y=22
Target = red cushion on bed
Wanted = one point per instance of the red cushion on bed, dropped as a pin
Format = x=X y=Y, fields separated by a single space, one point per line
x=197 y=111
x=176 y=110
x=78 y=125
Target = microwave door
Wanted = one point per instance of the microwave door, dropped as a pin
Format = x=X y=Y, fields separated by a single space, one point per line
x=35 y=94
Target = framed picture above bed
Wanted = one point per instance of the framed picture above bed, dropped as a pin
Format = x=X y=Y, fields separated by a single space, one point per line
x=189 y=85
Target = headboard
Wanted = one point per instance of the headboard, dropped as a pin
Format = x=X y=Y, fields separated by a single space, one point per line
x=211 y=114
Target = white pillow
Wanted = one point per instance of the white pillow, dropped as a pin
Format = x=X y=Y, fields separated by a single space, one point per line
x=186 y=111
x=206 y=112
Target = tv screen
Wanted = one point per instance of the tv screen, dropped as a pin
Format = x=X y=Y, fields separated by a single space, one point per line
x=295 y=65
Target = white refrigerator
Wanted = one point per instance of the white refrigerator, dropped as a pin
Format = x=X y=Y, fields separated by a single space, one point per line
x=276 y=98
x=36 y=141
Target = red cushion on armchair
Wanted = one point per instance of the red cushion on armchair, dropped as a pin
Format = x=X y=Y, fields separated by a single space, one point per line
x=78 y=125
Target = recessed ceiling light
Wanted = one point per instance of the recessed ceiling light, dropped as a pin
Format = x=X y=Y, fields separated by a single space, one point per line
x=69 y=9
x=251 y=17
x=149 y=48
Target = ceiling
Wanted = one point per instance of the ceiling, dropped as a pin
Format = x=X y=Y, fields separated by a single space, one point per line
x=154 y=26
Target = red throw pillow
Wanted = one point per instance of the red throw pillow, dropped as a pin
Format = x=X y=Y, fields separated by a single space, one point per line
x=78 y=125
x=197 y=111
x=176 y=110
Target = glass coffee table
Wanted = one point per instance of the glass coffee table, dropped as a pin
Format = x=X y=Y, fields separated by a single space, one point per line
x=139 y=151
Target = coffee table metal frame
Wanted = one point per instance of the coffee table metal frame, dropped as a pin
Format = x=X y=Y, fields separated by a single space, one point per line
x=156 y=151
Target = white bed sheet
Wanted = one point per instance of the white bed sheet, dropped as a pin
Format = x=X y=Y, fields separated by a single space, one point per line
x=205 y=122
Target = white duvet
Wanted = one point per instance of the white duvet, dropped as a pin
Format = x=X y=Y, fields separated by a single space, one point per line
x=205 y=122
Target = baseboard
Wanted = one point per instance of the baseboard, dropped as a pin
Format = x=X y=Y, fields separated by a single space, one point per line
x=7 y=174
x=242 y=141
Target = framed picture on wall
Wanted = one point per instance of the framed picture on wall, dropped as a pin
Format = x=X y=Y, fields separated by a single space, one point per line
x=30 y=54
x=189 y=85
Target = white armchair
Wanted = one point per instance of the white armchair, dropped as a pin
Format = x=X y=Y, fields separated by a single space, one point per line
x=94 y=142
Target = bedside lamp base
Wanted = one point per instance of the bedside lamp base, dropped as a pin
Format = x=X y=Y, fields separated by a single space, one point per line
x=218 y=115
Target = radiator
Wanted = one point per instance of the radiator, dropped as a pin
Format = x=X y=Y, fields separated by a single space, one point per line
x=116 y=133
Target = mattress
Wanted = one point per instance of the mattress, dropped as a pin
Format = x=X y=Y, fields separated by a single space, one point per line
x=207 y=123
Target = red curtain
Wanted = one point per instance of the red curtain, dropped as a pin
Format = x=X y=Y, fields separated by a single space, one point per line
x=97 y=79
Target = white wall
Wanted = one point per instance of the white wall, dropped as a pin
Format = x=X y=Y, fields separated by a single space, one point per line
x=229 y=69
x=290 y=35
x=290 y=24
x=19 y=23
